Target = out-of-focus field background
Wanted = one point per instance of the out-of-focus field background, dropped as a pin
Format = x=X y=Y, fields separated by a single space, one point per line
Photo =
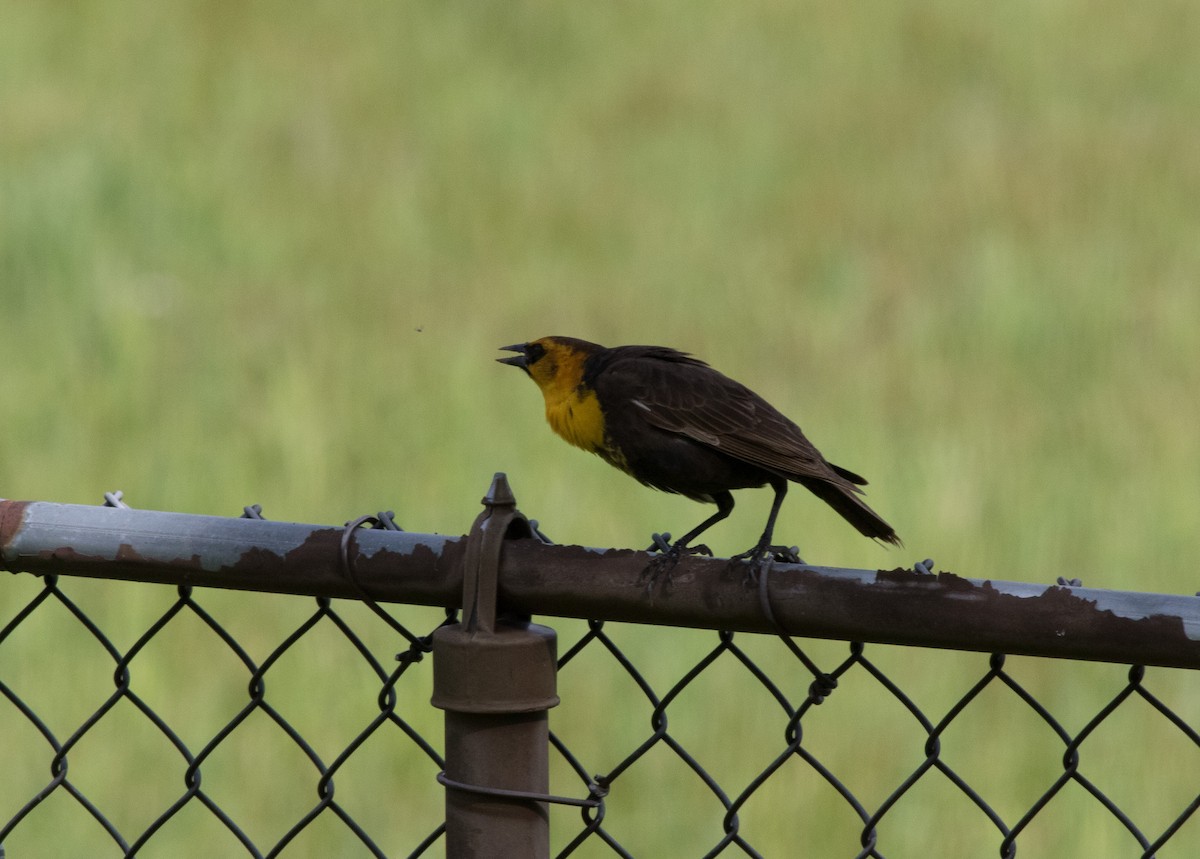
x=265 y=253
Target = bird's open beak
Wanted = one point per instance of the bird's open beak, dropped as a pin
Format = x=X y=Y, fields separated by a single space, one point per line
x=515 y=360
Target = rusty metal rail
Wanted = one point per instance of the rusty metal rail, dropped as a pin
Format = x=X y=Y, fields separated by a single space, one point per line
x=898 y=606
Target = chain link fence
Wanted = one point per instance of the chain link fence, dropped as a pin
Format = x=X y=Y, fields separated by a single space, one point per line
x=713 y=743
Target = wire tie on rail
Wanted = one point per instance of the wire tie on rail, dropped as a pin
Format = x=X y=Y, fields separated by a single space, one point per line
x=823 y=684
x=592 y=802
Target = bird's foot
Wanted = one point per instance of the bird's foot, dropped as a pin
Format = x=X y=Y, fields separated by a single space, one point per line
x=752 y=559
x=660 y=567
x=662 y=564
x=783 y=554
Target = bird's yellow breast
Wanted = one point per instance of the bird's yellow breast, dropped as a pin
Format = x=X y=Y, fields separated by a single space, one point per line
x=576 y=416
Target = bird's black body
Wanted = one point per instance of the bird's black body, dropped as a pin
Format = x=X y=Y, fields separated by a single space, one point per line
x=676 y=424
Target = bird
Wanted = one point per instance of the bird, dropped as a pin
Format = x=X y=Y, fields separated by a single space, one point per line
x=672 y=422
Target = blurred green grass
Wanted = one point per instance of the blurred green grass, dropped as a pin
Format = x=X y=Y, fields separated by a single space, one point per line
x=265 y=254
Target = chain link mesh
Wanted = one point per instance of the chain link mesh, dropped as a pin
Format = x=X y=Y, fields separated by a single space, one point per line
x=1168 y=799
x=60 y=745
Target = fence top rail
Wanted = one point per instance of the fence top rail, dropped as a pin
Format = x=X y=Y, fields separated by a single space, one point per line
x=899 y=606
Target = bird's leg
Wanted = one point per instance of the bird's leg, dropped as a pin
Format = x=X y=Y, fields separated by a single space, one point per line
x=755 y=555
x=670 y=554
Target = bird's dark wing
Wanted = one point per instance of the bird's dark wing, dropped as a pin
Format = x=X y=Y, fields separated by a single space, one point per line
x=680 y=394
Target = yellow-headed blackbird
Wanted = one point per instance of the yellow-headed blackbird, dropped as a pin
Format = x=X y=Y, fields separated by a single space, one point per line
x=678 y=425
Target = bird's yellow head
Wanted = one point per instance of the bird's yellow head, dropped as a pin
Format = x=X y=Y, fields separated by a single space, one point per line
x=554 y=363
x=557 y=365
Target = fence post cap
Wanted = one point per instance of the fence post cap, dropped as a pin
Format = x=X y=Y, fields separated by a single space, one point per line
x=511 y=669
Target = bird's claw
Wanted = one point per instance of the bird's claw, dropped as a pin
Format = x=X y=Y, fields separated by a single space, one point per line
x=668 y=556
x=660 y=566
x=782 y=554
x=752 y=559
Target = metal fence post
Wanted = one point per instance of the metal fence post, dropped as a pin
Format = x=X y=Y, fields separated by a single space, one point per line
x=495 y=680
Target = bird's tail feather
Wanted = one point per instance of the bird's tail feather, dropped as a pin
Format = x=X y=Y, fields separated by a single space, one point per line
x=848 y=474
x=853 y=509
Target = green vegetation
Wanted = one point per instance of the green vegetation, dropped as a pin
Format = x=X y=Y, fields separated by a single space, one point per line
x=264 y=253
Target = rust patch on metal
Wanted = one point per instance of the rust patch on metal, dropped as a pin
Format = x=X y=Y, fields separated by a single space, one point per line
x=69 y=555
x=910 y=576
x=128 y=554
x=12 y=515
x=1056 y=621
x=320 y=546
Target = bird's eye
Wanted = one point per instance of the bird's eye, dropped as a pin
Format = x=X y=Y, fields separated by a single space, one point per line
x=533 y=352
